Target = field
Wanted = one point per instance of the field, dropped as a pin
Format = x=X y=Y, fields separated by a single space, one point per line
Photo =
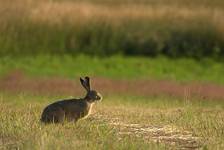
x=158 y=64
x=137 y=111
x=117 y=123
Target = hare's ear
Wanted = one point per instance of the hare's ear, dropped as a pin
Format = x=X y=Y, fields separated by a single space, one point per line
x=84 y=84
x=88 y=82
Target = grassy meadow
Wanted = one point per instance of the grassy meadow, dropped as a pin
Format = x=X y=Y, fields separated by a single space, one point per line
x=119 y=42
x=120 y=121
x=105 y=129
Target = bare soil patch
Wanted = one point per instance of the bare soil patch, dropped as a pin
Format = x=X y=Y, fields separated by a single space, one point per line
x=17 y=81
x=170 y=135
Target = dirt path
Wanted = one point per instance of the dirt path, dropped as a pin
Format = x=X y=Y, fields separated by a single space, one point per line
x=16 y=81
x=170 y=135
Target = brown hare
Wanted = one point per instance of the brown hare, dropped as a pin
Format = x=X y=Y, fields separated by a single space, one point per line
x=71 y=109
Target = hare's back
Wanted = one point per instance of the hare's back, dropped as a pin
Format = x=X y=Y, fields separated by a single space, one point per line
x=64 y=105
x=71 y=109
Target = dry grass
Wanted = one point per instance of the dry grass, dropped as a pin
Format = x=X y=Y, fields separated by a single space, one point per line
x=116 y=123
x=56 y=12
x=89 y=10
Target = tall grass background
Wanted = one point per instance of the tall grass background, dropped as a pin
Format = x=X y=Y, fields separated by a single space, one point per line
x=104 y=28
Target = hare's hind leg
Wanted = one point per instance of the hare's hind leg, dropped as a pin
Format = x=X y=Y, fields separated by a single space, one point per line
x=54 y=116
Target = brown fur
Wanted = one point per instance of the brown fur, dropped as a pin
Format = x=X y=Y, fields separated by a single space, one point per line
x=71 y=109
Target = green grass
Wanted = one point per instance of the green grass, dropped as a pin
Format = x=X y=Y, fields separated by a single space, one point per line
x=116 y=67
x=20 y=126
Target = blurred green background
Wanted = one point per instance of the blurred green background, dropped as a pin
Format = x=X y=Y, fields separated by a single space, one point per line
x=172 y=40
x=175 y=28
